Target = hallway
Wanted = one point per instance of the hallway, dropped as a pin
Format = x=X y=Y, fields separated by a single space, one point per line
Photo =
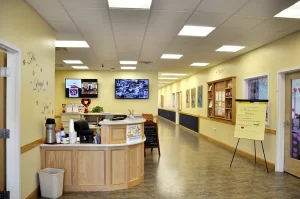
x=191 y=167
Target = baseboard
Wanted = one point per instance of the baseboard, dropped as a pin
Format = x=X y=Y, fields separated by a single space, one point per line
x=166 y=119
x=35 y=194
x=238 y=151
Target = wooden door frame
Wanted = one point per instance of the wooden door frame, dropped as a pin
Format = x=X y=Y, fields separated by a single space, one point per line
x=279 y=163
x=13 y=180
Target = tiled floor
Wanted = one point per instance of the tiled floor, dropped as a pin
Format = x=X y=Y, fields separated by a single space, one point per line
x=191 y=167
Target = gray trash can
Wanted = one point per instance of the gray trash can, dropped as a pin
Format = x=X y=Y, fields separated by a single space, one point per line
x=51 y=182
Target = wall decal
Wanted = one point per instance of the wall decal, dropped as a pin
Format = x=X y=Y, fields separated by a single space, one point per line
x=37 y=102
x=33 y=73
x=41 y=69
x=45 y=108
x=38 y=85
x=31 y=56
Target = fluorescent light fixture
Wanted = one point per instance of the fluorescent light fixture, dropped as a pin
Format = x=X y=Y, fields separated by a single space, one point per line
x=138 y=4
x=291 y=12
x=168 y=78
x=195 y=31
x=173 y=74
x=128 y=62
x=80 y=67
x=171 y=56
x=227 y=48
x=72 y=61
x=128 y=67
x=199 y=64
x=71 y=44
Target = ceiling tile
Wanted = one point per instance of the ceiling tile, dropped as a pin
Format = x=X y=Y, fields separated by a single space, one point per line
x=65 y=27
x=105 y=39
x=129 y=28
x=104 y=43
x=152 y=56
x=264 y=8
x=130 y=45
x=44 y=3
x=188 y=5
x=246 y=23
x=221 y=36
x=207 y=19
x=129 y=57
x=88 y=28
x=89 y=14
x=48 y=14
x=84 y=4
x=69 y=36
x=129 y=16
x=221 y=6
x=169 y=18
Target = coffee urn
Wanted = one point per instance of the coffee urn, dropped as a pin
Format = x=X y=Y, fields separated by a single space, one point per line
x=50 y=131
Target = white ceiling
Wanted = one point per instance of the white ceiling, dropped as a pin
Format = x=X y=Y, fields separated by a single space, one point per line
x=144 y=35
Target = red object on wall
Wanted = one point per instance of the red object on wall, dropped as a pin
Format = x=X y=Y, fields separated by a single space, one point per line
x=86 y=102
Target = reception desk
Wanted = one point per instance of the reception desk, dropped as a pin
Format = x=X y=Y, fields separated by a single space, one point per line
x=117 y=163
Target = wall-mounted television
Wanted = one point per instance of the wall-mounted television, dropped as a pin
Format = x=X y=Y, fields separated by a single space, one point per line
x=80 y=88
x=132 y=88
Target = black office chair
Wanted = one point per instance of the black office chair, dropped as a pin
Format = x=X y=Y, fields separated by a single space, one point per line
x=83 y=131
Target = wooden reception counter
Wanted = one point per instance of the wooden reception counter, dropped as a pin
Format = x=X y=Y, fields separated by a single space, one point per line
x=117 y=163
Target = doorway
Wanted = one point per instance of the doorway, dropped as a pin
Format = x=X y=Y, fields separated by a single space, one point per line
x=292 y=124
x=12 y=117
x=3 y=63
x=178 y=106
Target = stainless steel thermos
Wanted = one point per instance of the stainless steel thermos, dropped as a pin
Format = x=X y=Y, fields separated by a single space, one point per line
x=50 y=131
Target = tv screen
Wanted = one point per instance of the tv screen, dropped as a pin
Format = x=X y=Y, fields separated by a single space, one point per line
x=132 y=88
x=80 y=88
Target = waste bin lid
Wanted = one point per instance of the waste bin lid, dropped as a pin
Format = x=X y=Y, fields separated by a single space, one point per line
x=51 y=171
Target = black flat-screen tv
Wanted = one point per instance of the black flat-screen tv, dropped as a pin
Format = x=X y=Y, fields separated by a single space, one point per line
x=132 y=88
x=81 y=88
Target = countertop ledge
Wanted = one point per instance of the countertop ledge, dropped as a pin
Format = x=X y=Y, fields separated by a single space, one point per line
x=93 y=145
x=122 y=122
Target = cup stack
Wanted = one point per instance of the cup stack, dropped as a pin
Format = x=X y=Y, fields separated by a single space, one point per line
x=72 y=132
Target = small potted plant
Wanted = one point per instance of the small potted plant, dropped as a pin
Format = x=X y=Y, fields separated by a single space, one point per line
x=97 y=109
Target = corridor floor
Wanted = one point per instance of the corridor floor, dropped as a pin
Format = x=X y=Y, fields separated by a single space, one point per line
x=191 y=167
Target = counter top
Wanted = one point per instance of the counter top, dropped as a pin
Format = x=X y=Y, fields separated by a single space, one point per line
x=93 y=145
x=123 y=122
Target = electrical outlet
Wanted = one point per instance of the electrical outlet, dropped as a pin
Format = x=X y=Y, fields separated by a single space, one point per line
x=215 y=129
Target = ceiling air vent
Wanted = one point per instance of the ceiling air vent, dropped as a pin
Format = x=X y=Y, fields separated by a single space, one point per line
x=61 y=50
x=145 y=62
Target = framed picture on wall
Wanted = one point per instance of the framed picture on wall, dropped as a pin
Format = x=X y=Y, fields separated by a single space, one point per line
x=200 y=97
x=193 y=97
x=161 y=101
x=187 y=98
x=180 y=100
x=173 y=100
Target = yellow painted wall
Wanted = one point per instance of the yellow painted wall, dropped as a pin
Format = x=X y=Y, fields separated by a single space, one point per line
x=275 y=56
x=106 y=88
x=22 y=27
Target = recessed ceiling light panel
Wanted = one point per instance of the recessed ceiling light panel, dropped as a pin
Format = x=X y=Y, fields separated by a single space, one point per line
x=196 y=31
x=80 y=67
x=72 y=61
x=291 y=12
x=173 y=74
x=167 y=78
x=136 y=4
x=128 y=67
x=227 y=48
x=128 y=62
x=171 y=56
x=71 y=44
x=199 y=64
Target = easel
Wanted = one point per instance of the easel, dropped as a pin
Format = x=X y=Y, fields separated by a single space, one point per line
x=252 y=101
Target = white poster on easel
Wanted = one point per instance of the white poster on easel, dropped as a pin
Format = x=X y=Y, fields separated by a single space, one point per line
x=250 y=120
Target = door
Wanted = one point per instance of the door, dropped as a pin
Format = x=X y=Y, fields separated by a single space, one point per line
x=2 y=121
x=292 y=128
x=178 y=106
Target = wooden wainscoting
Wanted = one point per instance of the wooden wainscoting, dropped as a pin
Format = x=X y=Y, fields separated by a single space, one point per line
x=32 y=145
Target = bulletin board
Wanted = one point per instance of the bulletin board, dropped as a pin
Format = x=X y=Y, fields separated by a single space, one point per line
x=250 y=120
x=220 y=99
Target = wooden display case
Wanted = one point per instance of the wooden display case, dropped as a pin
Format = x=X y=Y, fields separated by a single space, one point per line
x=221 y=99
